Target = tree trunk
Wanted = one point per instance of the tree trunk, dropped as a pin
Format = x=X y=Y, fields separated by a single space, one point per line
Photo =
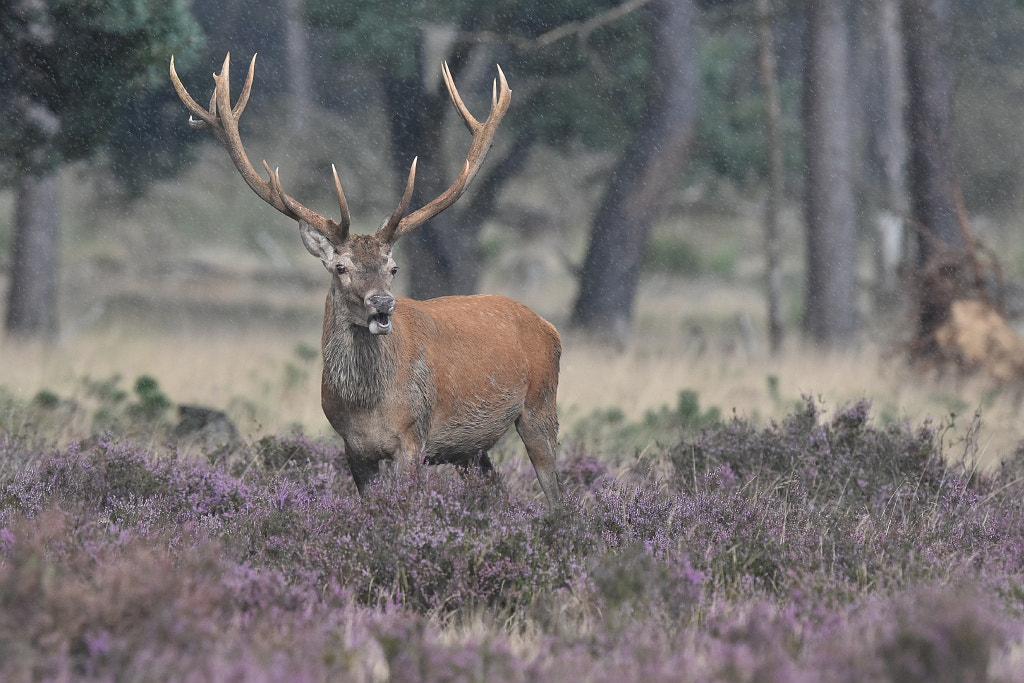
x=775 y=181
x=441 y=254
x=32 y=298
x=887 y=148
x=442 y=259
x=416 y=132
x=928 y=33
x=465 y=224
x=32 y=295
x=644 y=177
x=879 y=98
x=300 y=81
x=830 y=317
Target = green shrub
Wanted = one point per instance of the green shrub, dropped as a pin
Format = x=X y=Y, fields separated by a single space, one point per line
x=608 y=428
x=46 y=399
x=672 y=255
x=151 y=404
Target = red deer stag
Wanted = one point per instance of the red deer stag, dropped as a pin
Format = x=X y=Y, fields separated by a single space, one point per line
x=441 y=379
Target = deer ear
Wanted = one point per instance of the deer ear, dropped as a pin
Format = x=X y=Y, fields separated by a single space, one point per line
x=316 y=242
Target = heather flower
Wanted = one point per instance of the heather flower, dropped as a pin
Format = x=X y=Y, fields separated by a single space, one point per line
x=814 y=548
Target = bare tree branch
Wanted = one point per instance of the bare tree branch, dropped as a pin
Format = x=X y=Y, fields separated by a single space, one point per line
x=580 y=30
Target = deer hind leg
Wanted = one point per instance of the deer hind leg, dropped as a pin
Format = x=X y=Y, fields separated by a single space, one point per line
x=538 y=428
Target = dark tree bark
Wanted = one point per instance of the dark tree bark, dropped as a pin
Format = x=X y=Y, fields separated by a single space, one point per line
x=768 y=71
x=32 y=299
x=300 y=80
x=882 y=90
x=415 y=132
x=830 y=317
x=433 y=256
x=444 y=254
x=644 y=177
x=928 y=33
x=465 y=224
x=32 y=294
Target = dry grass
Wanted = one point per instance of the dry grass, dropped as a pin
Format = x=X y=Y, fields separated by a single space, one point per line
x=248 y=375
x=264 y=377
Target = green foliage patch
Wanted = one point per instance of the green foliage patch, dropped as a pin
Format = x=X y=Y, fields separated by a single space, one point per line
x=128 y=43
x=105 y=404
x=608 y=429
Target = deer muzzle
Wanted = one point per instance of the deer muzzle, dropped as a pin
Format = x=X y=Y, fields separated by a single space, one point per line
x=381 y=307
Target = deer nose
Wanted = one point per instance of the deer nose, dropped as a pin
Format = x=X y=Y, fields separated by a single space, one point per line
x=381 y=303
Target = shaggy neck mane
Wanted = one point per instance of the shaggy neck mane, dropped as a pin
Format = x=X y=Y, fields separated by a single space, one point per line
x=358 y=365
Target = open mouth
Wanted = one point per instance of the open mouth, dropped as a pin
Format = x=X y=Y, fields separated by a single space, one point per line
x=380 y=323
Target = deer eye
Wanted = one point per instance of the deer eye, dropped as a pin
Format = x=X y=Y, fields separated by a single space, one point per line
x=340 y=269
x=394 y=269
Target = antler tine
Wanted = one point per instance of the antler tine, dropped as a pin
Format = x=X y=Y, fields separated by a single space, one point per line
x=342 y=204
x=332 y=229
x=222 y=85
x=222 y=120
x=243 y=99
x=483 y=135
x=494 y=86
x=387 y=230
x=471 y=123
x=205 y=117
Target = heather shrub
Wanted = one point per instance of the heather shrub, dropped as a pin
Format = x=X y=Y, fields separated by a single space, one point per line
x=76 y=601
x=845 y=459
x=110 y=474
x=822 y=508
x=295 y=451
x=754 y=642
x=428 y=538
x=579 y=468
x=96 y=602
x=416 y=652
x=925 y=634
x=631 y=583
x=815 y=548
x=717 y=536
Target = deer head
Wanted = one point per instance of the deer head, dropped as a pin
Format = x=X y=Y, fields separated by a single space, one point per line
x=361 y=266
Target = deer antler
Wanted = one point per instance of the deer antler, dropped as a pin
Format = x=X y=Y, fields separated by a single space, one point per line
x=398 y=224
x=221 y=119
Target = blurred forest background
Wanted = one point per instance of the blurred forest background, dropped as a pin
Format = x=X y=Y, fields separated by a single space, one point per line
x=848 y=171
x=740 y=215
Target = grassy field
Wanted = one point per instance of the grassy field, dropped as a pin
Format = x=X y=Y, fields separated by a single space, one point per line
x=246 y=341
x=268 y=380
x=730 y=515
